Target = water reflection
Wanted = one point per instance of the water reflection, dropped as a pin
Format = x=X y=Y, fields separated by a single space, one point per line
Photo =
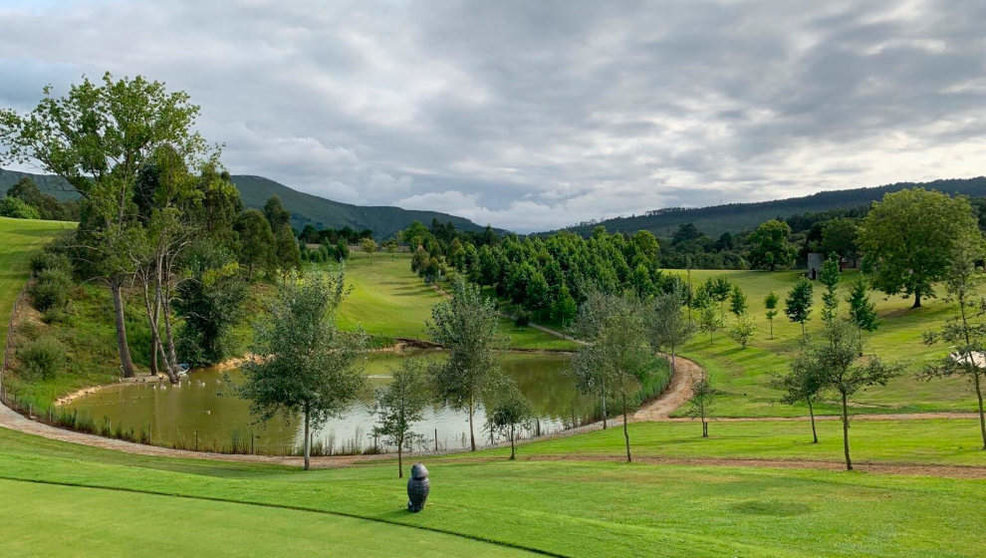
x=204 y=412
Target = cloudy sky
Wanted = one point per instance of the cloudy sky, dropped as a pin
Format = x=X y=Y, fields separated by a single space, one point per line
x=533 y=115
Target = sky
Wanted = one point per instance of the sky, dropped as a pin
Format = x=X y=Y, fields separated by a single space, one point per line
x=536 y=115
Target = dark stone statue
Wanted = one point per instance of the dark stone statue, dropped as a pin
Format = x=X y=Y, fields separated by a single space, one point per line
x=418 y=487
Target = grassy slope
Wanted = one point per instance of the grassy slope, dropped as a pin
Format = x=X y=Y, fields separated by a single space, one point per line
x=576 y=508
x=744 y=374
x=19 y=238
x=387 y=300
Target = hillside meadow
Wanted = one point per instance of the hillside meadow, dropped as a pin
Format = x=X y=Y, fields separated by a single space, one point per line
x=744 y=375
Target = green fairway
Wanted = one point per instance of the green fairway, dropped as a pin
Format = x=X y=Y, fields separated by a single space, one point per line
x=19 y=239
x=743 y=375
x=934 y=441
x=85 y=522
x=388 y=300
x=570 y=508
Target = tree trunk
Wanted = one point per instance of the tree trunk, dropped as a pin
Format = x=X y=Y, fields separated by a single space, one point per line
x=169 y=335
x=513 y=450
x=674 y=363
x=400 y=459
x=771 y=329
x=626 y=431
x=604 y=404
x=982 y=418
x=811 y=414
x=917 y=300
x=472 y=435
x=126 y=362
x=845 y=430
x=705 y=427
x=804 y=334
x=152 y=315
x=308 y=439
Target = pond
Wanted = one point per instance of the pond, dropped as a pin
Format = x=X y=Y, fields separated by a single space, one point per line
x=203 y=412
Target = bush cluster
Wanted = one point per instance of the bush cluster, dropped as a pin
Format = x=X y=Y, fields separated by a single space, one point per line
x=42 y=358
x=52 y=281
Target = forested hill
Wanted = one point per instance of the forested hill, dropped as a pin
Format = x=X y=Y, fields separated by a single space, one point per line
x=739 y=217
x=384 y=221
x=305 y=209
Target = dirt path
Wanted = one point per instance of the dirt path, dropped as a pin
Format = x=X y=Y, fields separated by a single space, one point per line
x=678 y=392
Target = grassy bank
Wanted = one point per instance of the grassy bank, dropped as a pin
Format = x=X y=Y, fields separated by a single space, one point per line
x=19 y=239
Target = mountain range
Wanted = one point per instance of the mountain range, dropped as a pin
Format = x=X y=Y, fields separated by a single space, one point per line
x=740 y=217
x=384 y=221
x=305 y=209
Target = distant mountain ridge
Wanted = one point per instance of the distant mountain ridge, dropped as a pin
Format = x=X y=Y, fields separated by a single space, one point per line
x=305 y=209
x=740 y=217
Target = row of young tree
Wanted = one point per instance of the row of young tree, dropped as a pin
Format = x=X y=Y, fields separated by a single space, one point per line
x=306 y=365
x=835 y=362
x=159 y=219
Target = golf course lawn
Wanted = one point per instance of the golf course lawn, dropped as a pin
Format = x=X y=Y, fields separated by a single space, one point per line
x=743 y=375
x=388 y=300
x=569 y=508
x=933 y=441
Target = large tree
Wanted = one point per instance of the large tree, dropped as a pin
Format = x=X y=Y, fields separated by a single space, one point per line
x=304 y=364
x=256 y=241
x=840 y=235
x=769 y=246
x=466 y=325
x=909 y=238
x=97 y=137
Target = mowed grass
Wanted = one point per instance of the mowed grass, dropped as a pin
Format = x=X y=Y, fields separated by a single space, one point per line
x=81 y=521
x=570 y=508
x=19 y=240
x=744 y=375
x=387 y=300
x=926 y=441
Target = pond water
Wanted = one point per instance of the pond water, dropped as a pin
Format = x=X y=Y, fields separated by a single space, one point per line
x=204 y=412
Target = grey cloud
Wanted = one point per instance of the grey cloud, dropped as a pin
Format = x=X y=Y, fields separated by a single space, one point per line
x=533 y=115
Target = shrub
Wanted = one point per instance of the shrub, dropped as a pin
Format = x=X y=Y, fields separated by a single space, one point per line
x=17 y=208
x=50 y=290
x=45 y=260
x=523 y=318
x=42 y=358
x=56 y=315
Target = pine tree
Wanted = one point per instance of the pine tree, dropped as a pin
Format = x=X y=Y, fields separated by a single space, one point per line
x=862 y=312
